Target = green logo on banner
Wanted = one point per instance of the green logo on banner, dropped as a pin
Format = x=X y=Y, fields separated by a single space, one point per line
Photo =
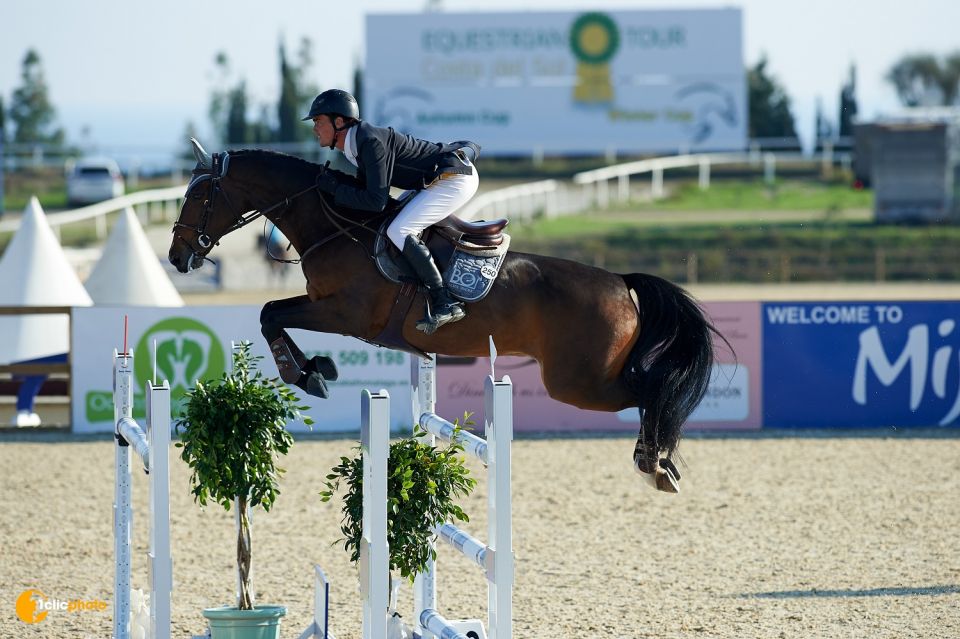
x=594 y=38
x=187 y=350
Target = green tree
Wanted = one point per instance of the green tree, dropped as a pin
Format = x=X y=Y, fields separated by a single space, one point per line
x=770 y=115
x=233 y=431
x=32 y=113
x=3 y=142
x=236 y=130
x=217 y=109
x=260 y=132
x=922 y=80
x=288 y=106
x=848 y=104
x=3 y=121
x=358 y=85
x=296 y=93
x=229 y=102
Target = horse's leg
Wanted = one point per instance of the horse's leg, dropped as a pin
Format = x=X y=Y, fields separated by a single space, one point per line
x=309 y=375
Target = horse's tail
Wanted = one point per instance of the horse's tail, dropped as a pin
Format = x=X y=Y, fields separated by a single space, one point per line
x=669 y=367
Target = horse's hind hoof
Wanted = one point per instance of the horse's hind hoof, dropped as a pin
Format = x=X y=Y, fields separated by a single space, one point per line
x=666 y=482
x=664 y=476
x=313 y=384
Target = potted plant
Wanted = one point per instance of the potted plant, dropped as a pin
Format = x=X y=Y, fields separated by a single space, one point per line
x=422 y=483
x=232 y=432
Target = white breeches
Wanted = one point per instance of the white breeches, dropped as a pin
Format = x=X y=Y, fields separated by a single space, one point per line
x=432 y=204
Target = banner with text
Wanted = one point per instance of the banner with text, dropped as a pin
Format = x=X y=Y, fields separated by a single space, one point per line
x=861 y=364
x=561 y=82
x=184 y=345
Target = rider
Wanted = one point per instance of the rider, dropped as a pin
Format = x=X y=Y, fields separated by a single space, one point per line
x=443 y=174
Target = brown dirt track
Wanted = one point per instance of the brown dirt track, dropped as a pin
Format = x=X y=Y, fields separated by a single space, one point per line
x=844 y=536
x=847 y=536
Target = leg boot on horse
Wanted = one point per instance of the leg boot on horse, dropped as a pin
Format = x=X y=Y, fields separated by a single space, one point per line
x=311 y=375
x=441 y=308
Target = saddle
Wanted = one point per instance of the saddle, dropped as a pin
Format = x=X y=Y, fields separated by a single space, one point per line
x=468 y=255
x=462 y=250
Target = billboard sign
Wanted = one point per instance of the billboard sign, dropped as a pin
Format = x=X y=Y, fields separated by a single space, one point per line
x=861 y=364
x=561 y=82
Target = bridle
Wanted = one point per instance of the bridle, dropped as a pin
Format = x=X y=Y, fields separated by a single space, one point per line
x=219 y=164
x=214 y=174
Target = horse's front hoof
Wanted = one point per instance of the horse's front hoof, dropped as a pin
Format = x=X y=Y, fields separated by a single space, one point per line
x=325 y=367
x=313 y=384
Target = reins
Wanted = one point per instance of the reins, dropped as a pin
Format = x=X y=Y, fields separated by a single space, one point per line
x=216 y=172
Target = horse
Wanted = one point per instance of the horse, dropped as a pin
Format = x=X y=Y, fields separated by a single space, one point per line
x=604 y=341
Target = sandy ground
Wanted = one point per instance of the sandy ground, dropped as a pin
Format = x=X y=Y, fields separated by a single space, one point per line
x=849 y=536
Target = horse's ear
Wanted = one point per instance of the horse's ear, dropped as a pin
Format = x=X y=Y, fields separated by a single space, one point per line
x=203 y=158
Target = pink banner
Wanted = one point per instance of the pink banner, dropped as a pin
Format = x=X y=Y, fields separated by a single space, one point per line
x=732 y=402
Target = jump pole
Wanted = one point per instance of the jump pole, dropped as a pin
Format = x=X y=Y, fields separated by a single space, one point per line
x=152 y=447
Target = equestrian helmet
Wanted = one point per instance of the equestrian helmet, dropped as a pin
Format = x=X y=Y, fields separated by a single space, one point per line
x=335 y=102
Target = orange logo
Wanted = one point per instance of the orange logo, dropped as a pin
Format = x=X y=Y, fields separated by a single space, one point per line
x=28 y=606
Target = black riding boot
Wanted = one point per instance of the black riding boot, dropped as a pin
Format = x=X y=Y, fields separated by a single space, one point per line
x=441 y=308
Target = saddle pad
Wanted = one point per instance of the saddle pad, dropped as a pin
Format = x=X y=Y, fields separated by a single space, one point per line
x=469 y=276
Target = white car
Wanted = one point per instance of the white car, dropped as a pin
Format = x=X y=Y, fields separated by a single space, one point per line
x=91 y=180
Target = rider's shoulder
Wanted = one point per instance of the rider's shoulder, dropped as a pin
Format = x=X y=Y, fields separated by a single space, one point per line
x=367 y=131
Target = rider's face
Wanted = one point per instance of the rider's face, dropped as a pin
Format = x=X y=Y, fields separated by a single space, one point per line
x=323 y=129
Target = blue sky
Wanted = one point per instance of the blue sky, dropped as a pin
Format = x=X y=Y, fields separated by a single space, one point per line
x=135 y=72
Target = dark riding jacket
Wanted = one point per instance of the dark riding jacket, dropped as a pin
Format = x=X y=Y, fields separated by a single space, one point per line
x=388 y=158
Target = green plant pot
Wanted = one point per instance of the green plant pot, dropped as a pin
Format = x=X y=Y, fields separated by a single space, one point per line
x=263 y=622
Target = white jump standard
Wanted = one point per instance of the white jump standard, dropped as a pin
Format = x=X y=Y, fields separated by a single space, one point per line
x=152 y=446
x=495 y=558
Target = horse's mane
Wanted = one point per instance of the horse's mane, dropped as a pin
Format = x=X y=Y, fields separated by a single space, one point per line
x=296 y=169
x=276 y=157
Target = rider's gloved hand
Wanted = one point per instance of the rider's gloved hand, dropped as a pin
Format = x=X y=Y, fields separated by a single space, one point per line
x=327 y=181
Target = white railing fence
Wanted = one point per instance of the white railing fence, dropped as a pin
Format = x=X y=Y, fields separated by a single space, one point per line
x=596 y=183
x=520 y=201
x=591 y=189
x=151 y=205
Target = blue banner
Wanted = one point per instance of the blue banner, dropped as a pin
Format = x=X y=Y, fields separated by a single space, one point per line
x=861 y=364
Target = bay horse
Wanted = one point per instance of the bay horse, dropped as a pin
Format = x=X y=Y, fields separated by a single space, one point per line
x=604 y=341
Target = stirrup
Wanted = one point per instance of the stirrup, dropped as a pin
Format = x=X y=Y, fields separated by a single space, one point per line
x=449 y=314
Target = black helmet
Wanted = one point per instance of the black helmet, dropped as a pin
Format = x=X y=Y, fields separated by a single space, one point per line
x=335 y=101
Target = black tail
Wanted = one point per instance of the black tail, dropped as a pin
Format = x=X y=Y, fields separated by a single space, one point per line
x=670 y=365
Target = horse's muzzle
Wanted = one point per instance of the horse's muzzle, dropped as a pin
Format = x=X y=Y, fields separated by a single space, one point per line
x=184 y=260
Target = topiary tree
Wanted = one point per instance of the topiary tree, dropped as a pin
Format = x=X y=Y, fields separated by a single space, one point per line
x=232 y=432
x=422 y=483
